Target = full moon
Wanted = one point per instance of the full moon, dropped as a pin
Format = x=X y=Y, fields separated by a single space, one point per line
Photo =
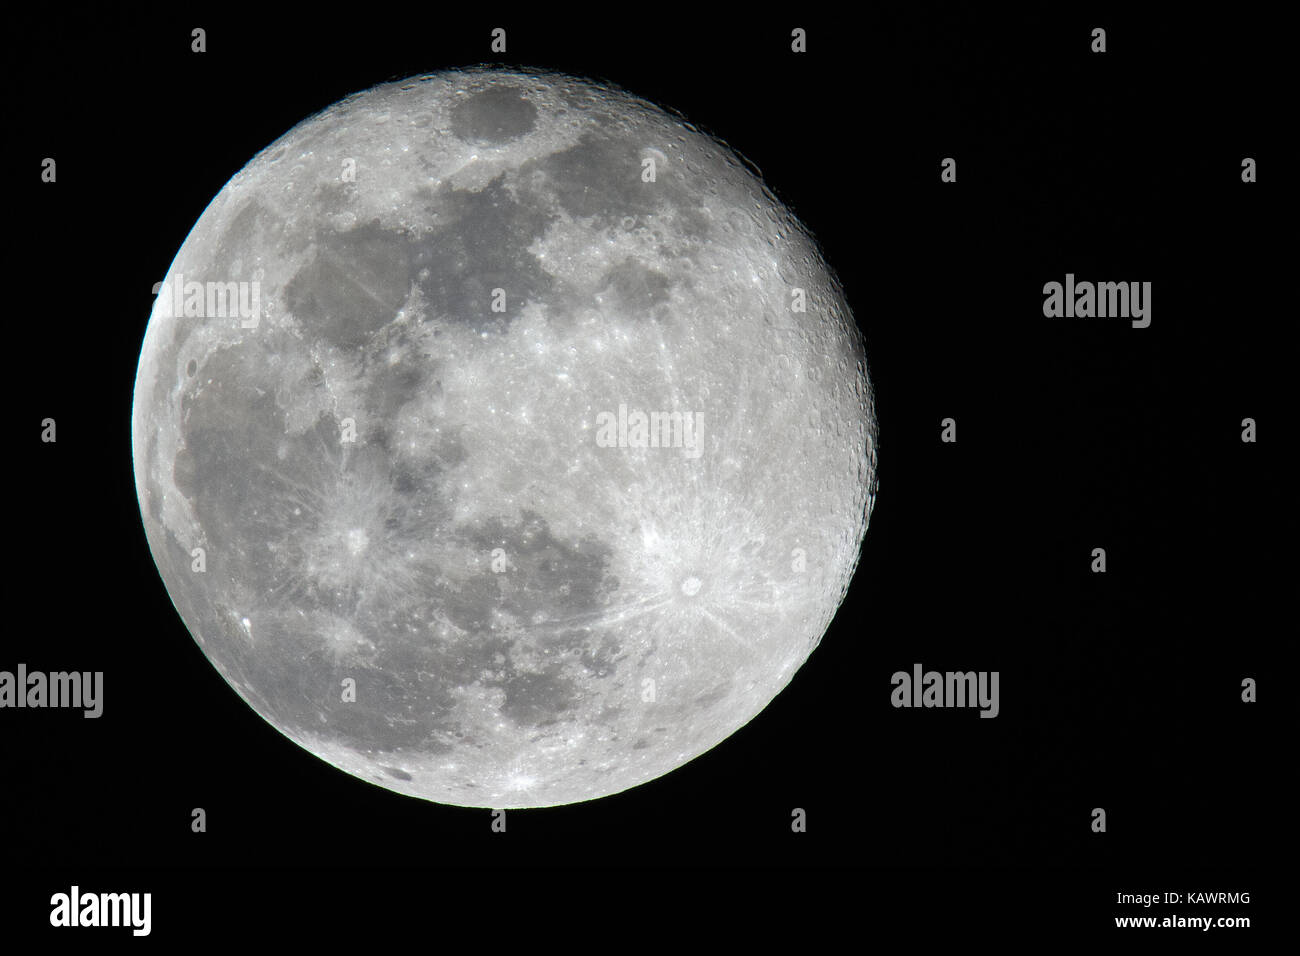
x=501 y=439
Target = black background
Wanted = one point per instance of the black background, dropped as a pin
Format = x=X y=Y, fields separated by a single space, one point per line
x=1119 y=690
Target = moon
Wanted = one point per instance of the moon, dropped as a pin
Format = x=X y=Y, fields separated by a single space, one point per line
x=501 y=439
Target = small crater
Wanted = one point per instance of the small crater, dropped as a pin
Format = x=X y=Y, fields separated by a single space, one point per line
x=397 y=774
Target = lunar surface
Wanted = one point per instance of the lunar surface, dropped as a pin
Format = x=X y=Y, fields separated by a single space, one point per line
x=502 y=440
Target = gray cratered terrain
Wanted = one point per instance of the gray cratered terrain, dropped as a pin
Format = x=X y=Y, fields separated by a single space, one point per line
x=417 y=467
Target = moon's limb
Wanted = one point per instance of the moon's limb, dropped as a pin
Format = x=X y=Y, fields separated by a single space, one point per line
x=529 y=618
